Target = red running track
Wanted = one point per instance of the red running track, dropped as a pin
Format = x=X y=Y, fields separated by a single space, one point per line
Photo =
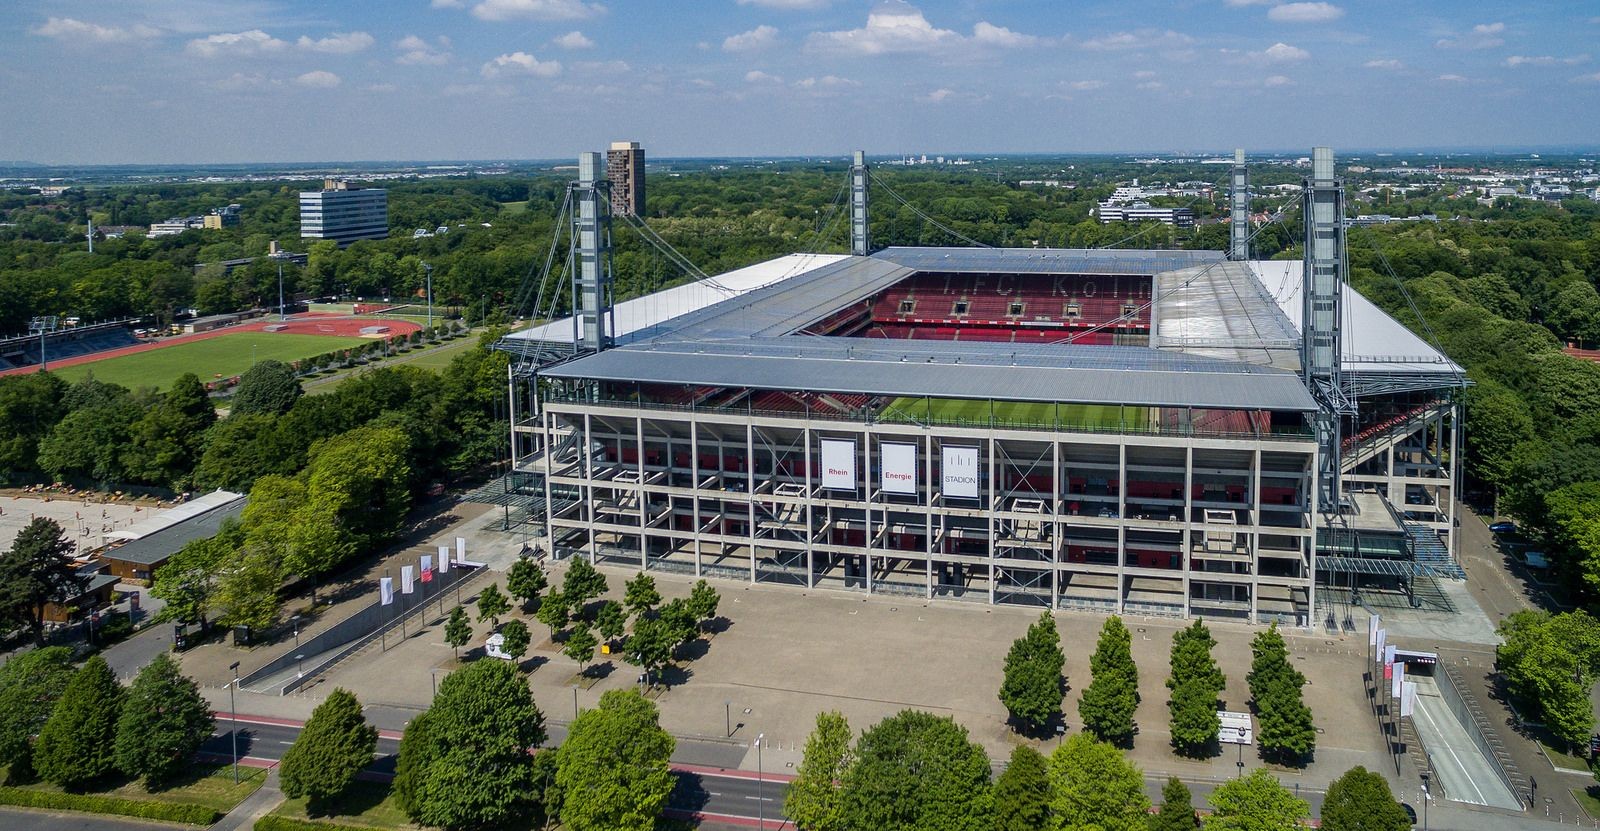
x=310 y=323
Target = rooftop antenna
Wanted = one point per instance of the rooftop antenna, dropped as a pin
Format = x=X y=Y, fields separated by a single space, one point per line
x=860 y=241
x=1239 y=202
x=1320 y=355
x=592 y=318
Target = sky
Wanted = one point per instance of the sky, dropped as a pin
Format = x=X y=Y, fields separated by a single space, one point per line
x=211 y=81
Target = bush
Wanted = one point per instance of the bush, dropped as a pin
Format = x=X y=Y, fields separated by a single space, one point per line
x=113 y=628
x=185 y=813
x=271 y=822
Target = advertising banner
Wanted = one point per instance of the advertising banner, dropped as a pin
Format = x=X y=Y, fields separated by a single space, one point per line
x=408 y=577
x=1408 y=698
x=839 y=464
x=1399 y=680
x=960 y=472
x=444 y=558
x=386 y=590
x=427 y=568
x=1388 y=662
x=897 y=468
x=1373 y=623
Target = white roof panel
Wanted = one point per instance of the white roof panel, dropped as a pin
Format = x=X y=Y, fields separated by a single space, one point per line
x=176 y=514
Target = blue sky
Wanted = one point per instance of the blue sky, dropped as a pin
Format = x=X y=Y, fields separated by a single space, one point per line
x=152 y=81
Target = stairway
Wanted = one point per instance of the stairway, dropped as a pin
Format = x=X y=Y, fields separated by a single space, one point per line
x=1431 y=555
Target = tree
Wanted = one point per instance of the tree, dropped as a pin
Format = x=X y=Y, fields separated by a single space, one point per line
x=470 y=767
x=679 y=620
x=640 y=595
x=77 y=743
x=1255 y=803
x=1360 y=800
x=649 y=647
x=166 y=442
x=1284 y=726
x=164 y=721
x=611 y=621
x=417 y=751
x=516 y=640
x=525 y=581
x=813 y=800
x=582 y=584
x=580 y=646
x=457 y=630
x=553 y=612
x=1196 y=682
x=1112 y=696
x=269 y=387
x=35 y=571
x=1093 y=785
x=1548 y=662
x=1022 y=793
x=703 y=601
x=491 y=605
x=612 y=768
x=1032 y=688
x=1177 y=809
x=188 y=579
x=30 y=685
x=334 y=746
x=916 y=770
x=246 y=589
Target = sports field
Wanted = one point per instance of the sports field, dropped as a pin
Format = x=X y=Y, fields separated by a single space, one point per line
x=225 y=356
x=956 y=410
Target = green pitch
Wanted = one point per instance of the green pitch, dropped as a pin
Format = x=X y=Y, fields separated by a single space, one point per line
x=1093 y=416
x=225 y=355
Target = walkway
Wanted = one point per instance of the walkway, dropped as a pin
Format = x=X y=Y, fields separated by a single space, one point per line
x=1464 y=772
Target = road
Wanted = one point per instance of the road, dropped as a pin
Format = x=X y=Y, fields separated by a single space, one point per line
x=68 y=821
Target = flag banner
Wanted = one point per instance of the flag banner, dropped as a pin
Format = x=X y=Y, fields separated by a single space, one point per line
x=386 y=590
x=408 y=576
x=1399 y=680
x=1372 y=630
x=427 y=568
x=461 y=548
x=444 y=558
x=1408 y=699
x=1388 y=662
x=1383 y=636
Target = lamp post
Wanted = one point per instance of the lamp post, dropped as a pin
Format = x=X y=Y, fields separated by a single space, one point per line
x=295 y=619
x=1427 y=796
x=574 y=702
x=727 y=718
x=1241 y=752
x=233 y=711
x=427 y=271
x=761 y=805
x=41 y=326
x=300 y=667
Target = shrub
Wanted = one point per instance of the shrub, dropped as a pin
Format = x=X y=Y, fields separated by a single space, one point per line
x=186 y=813
x=277 y=823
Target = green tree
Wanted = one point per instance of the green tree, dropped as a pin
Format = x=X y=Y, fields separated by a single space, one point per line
x=1255 y=803
x=1196 y=682
x=269 y=387
x=30 y=685
x=583 y=583
x=640 y=595
x=1177 y=808
x=30 y=405
x=1284 y=726
x=334 y=746
x=813 y=800
x=1093 y=785
x=246 y=589
x=491 y=605
x=516 y=640
x=915 y=770
x=1022 y=792
x=417 y=751
x=649 y=647
x=1108 y=703
x=525 y=581
x=457 y=630
x=164 y=721
x=470 y=768
x=580 y=646
x=611 y=620
x=1033 y=686
x=77 y=744
x=1360 y=800
x=188 y=579
x=553 y=612
x=613 y=769
x=166 y=443
x=1549 y=662
x=703 y=601
x=679 y=620
x=36 y=570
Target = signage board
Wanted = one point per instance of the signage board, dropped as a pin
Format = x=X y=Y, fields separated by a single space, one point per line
x=960 y=472
x=897 y=468
x=839 y=464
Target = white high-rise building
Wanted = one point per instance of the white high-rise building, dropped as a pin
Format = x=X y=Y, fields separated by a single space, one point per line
x=344 y=213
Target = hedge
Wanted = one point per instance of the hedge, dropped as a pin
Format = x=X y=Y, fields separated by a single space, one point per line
x=272 y=822
x=186 y=813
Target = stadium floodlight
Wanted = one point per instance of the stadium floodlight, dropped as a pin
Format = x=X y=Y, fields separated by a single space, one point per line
x=41 y=326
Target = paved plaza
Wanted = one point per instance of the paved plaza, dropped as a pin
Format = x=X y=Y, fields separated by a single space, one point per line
x=87 y=521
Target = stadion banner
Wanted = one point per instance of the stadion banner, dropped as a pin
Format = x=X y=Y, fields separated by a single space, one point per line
x=960 y=472
x=897 y=468
x=839 y=464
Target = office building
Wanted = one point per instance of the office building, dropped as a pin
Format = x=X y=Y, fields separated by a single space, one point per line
x=1144 y=212
x=344 y=213
x=625 y=172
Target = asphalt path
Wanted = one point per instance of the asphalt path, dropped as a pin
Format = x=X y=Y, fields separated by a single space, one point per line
x=34 y=820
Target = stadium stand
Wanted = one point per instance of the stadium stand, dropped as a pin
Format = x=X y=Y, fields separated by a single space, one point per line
x=23 y=350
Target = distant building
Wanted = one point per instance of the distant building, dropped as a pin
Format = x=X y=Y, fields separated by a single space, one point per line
x=625 y=171
x=224 y=217
x=176 y=225
x=1144 y=212
x=344 y=213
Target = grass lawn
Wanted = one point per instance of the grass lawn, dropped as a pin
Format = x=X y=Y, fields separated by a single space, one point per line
x=226 y=356
x=514 y=207
x=435 y=359
x=1588 y=799
x=210 y=785
x=979 y=412
x=363 y=804
x=1558 y=756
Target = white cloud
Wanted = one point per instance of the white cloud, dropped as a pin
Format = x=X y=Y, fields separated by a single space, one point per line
x=338 y=43
x=379 y=88
x=1384 y=63
x=253 y=42
x=1451 y=78
x=1305 y=13
x=1277 y=81
x=1591 y=78
x=786 y=5
x=1482 y=36
x=67 y=28
x=1283 y=53
x=896 y=26
x=318 y=79
x=1139 y=39
x=1152 y=85
x=240 y=81
x=1238 y=3
x=989 y=34
x=1085 y=86
x=826 y=82
x=573 y=40
x=415 y=51
x=938 y=95
x=602 y=67
x=756 y=76
x=499 y=10
x=520 y=63
x=761 y=37
x=1144 y=73
x=448 y=4
x=1544 y=60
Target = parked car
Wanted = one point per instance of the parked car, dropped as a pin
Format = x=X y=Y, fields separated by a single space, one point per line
x=494 y=647
x=1503 y=527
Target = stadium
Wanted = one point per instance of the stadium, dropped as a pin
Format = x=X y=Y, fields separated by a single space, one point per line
x=1156 y=432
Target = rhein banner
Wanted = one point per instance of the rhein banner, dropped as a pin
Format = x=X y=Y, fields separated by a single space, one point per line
x=408 y=577
x=386 y=590
x=839 y=464
x=897 y=468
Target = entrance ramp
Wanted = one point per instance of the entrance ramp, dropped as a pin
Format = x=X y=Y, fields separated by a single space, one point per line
x=1462 y=767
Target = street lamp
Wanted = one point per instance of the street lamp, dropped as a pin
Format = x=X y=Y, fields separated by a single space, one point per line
x=574 y=702
x=233 y=711
x=300 y=669
x=727 y=718
x=295 y=619
x=1241 y=752
x=761 y=806
x=1427 y=797
x=427 y=271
